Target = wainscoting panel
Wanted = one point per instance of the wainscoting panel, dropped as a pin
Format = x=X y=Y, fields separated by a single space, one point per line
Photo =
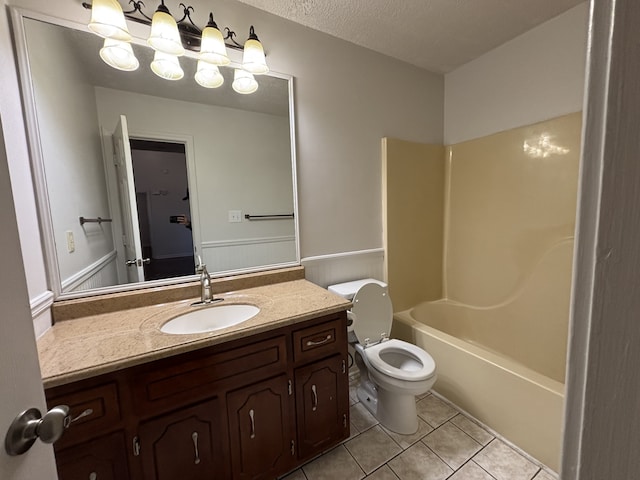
x=325 y=270
x=101 y=273
x=222 y=256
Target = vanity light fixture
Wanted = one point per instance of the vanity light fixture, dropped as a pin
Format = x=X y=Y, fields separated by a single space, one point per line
x=166 y=66
x=165 y=36
x=169 y=38
x=253 y=60
x=208 y=75
x=107 y=20
x=212 y=47
x=119 y=54
x=244 y=82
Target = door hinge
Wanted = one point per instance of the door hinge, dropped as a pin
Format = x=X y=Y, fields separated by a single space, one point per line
x=136 y=446
x=290 y=387
x=293 y=447
x=344 y=420
x=344 y=366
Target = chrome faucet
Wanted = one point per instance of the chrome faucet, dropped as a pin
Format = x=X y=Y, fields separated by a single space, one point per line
x=206 y=295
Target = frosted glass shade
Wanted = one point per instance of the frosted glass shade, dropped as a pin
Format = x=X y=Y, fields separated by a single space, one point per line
x=107 y=20
x=164 y=36
x=167 y=66
x=212 y=48
x=243 y=82
x=208 y=75
x=253 y=60
x=119 y=54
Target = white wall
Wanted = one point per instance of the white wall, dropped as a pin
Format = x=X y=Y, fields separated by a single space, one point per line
x=534 y=77
x=71 y=150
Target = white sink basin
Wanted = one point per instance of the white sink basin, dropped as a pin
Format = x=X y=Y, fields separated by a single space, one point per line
x=209 y=319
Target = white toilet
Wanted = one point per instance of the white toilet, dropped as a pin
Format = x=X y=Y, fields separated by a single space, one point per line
x=392 y=372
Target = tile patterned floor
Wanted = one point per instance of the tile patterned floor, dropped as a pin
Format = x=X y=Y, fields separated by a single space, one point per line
x=447 y=445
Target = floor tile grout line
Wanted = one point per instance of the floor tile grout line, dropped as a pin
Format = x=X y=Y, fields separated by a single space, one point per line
x=495 y=434
x=467 y=433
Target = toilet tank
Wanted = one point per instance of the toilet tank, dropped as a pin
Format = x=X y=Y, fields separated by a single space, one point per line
x=349 y=289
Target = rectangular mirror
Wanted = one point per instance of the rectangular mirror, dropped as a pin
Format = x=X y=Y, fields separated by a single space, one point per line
x=137 y=177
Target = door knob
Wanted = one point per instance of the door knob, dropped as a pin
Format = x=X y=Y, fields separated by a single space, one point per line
x=138 y=262
x=30 y=425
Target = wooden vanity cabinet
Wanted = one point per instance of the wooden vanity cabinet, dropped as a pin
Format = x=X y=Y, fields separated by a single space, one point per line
x=185 y=444
x=261 y=429
x=253 y=408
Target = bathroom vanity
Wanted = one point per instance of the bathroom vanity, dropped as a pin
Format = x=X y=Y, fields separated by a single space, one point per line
x=250 y=402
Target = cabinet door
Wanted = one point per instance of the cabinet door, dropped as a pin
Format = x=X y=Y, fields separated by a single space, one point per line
x=322 y=405
x=184 y=445
x=260 y=429
x=100 y=459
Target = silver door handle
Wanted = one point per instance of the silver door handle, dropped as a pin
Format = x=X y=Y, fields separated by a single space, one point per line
x=30 y=425
x=315 y=343
x=194 y=437
x=314 y=398
x=138 y=262
x=253 y=425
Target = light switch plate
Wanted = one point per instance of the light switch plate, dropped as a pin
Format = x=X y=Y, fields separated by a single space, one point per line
x=71 y=243
x=235 y=216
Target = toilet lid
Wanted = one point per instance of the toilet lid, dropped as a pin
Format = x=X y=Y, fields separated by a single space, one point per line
x=373 y=313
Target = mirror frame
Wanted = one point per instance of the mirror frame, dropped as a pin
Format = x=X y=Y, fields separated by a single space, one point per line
x=18 y=15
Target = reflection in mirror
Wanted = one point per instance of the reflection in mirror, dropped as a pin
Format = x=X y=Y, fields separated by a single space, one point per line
x=171 y=168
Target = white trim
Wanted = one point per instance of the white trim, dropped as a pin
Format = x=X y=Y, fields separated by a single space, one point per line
x=35 y=145
x=41 y=303
x=78 y=278
x=247 y=241
x=332 y=256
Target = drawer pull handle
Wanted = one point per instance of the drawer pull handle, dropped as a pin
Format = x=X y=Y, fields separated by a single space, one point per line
x=194 y=437
x=86 y=413
x=253 y=425
x=314 y=343
x=93 y=476
x=314 y=398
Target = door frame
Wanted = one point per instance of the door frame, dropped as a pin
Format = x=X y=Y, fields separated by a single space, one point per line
x=112 y=188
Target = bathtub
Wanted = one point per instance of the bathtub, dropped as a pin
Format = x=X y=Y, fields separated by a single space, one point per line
x=523 y=405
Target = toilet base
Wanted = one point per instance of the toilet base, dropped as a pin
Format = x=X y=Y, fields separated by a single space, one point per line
x=394 y=411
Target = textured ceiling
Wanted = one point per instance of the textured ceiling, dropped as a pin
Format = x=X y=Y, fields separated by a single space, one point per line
x=438 y=35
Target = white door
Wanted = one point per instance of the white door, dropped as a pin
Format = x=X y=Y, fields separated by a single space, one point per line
x=20 y=384
x=128 y=207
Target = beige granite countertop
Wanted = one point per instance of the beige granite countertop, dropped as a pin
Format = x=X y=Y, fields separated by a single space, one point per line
x=96 y=344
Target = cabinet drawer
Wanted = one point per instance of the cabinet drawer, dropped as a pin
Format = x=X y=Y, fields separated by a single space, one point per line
x=94 y=409
x=188 y=379
x=320 y=340
x=104 y=458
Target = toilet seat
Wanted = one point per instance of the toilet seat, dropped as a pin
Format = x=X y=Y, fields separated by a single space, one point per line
x=372 y=314
x=414 y=364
